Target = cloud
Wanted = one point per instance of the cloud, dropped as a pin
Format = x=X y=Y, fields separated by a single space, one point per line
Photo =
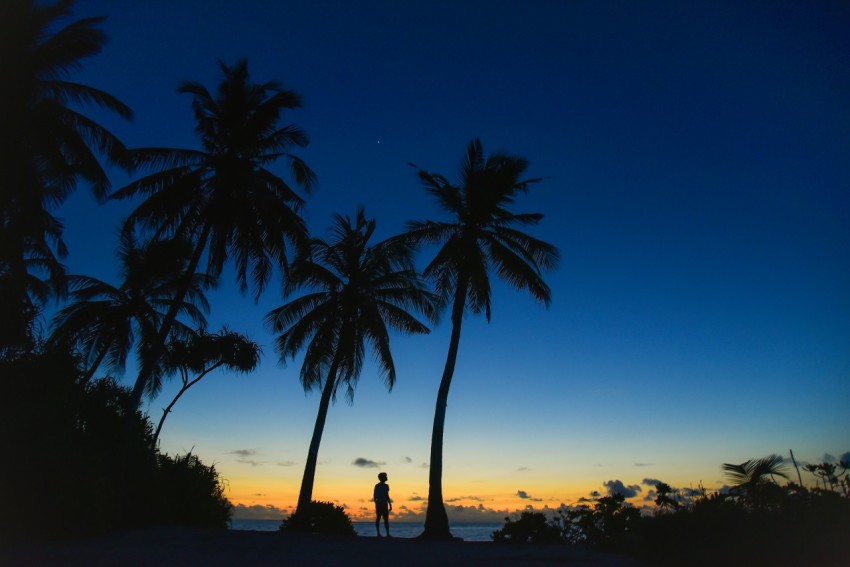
x=459 y=498
x=416 y=498
x=845 y=457
x=523 y=469
x=423 y=466
x=285 y=463
x=643 y=464
x=258 y=512
x=526 y=496
x=456 y=512
x=650 y=481
x=408 y=460
x=366 y=463
x=617 y=487
x=243 y=455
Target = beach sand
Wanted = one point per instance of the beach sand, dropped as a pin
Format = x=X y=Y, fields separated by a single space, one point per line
x=191 y=546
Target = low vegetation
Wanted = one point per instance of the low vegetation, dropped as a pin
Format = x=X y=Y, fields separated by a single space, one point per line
x=322 y=518
x=757 y=521
x=79 y=463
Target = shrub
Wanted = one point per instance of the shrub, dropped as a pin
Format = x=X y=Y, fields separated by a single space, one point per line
x=321 y=517
x=79 y=463
x=609 y=523
x=190 y=493
x=531 y=526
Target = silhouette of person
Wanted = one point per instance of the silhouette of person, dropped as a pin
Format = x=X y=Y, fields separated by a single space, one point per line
x=383 y=504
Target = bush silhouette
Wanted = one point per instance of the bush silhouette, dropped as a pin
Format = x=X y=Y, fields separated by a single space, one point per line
x=324 y=518
x=531 y=526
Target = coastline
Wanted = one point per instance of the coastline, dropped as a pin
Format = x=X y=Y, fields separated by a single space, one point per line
x=193 y=546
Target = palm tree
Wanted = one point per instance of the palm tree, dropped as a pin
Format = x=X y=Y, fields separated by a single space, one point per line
x=222 y=197
x=754 y=478
x=104 y=322
x=480 y=237
x=360 y=291
x=46 y=144
x=202 y=353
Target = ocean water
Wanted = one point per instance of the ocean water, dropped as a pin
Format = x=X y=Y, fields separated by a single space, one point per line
x=465 y=531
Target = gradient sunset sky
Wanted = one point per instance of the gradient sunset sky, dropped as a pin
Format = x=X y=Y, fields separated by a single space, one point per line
x=696 y=158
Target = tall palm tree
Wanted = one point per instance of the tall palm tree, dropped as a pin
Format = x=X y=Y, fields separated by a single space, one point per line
x=105 y=322
x=359 y=291
x=480 y=237
x=202 y=353
x=222 y=197
x=46 y=144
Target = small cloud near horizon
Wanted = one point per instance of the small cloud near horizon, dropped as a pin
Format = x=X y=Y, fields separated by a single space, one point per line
x=651 y=481
x=617 y=487
x=366 y=463
x=643 y=464
x=459 y=498
x=285 y=463
x=244 y=454
x=408 y=460
x=523 y=469
x=526 y=496
x=258 y=512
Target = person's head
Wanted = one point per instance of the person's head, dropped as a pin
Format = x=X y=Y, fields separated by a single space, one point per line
x=382 y=477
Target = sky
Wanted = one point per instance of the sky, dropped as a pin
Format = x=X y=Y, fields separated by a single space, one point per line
x=695 y=179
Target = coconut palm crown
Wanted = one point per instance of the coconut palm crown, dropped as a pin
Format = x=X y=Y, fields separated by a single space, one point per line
x=104 y=322
x=47 y=146
x=223 y=197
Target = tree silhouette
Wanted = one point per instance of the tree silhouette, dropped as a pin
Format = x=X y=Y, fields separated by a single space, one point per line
x=223 y=198
x=104 y=322
x=359 y=291
x=753 y=479
x=46 y=147
x=480 y=237
x=201 y=353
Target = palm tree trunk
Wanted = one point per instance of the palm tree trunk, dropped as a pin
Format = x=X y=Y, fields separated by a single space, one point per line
x=156 y=350
x=436 y=519
x=305 y=496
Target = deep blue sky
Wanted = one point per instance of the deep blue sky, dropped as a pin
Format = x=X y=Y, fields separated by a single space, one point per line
x=695 y=157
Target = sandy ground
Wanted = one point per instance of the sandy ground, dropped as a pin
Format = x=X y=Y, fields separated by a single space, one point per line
x=186 y=546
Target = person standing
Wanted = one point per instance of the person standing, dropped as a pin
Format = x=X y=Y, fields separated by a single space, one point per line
x=383 y=504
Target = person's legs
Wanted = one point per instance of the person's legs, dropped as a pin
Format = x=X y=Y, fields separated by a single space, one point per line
x=381 y=511
x=387 y=523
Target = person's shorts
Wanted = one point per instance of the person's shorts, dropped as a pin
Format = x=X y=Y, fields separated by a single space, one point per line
x=382 y=509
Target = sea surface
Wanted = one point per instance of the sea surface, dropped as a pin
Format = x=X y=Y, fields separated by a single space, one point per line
x=467 y=532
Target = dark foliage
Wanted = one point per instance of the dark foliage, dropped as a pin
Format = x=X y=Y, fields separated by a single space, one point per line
x=530 y=527
x=796 y=527
x=322 y=518
x=76 y=463
x=190 y=493
x=610 y=523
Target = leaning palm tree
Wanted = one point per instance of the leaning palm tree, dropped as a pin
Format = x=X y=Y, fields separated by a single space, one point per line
x=202 y=353
x=359 y=291
x=222 y=197
x=480 y=237
x=104 y=322
x=46 y=144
